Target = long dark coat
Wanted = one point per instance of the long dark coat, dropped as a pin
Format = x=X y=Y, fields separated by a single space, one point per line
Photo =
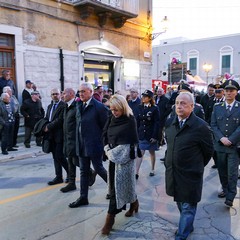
x=189 y=149
x=32 y=112
x=55 y=127
x=69 y=129
x=90 y=124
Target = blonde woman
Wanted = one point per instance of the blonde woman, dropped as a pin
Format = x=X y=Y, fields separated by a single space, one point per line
x=120 y=138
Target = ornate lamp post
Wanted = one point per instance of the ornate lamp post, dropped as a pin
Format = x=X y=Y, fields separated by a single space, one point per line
x=207 y=68
x=164 y=23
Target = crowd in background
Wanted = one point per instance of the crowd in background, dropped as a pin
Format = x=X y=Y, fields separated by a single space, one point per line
x=83 y=128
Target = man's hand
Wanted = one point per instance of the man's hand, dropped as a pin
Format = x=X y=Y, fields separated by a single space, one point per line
x=225 y=141
x=46 y=129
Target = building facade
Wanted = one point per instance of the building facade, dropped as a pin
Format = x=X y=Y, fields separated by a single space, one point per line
x=221 y=53
x=62 y=43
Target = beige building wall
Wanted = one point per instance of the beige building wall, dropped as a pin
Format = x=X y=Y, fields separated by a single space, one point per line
x=47 y=25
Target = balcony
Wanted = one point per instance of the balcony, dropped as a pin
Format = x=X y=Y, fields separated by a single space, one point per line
x=116 y=10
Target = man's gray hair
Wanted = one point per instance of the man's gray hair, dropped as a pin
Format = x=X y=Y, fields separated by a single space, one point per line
x=190 y=96
x=3 y=95
x=6 y=89
x=87 y=85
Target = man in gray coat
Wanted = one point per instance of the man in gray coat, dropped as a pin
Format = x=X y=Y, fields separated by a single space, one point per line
x=189 y=149
x=225 y=123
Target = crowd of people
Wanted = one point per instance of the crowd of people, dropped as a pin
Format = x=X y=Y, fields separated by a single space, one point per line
x=84 y=128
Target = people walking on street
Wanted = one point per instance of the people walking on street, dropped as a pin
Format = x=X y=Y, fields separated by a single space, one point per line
x=189 y=149
x=164 y=109
x=120 y=139
x=6 y=124
x=16 y=106
x=148 y=129
x=6 y=80
x=32 y=112
x=218 y=98
x=91 y=117
x=225 y=123
x=55 y=131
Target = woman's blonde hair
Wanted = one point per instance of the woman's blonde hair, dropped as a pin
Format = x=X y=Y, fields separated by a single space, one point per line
x=120 y=103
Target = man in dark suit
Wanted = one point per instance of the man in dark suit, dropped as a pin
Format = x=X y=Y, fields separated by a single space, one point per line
x=134 y=102
x=91 y=117
x=55 y=129
x=225 y=123
x=6 y=81
x=164 y=109
x=189 y=149
x=208 y=96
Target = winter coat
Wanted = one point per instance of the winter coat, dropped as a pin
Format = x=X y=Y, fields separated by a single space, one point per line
x=124 y=173
x=189 y=149
x=69 y=129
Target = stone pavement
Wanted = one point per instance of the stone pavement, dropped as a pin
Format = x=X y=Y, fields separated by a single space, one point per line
x=158 y=215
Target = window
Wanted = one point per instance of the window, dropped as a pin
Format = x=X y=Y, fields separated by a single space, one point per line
x=193 y=66
x=193 y=61
x=226 y=64
x=226 y=60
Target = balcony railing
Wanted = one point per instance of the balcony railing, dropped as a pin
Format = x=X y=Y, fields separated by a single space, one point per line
x=131 y=6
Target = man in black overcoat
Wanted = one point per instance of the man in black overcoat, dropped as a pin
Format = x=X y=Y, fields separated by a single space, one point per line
x=54 y=128
x=189 y=149
x=91 y=117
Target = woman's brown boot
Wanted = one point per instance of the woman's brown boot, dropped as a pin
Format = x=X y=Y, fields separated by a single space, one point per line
x=133 y=208
x=108 y=224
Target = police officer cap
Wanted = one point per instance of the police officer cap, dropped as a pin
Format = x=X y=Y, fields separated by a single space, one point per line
x=230 y=84
x=148 y=93
x=184 y=86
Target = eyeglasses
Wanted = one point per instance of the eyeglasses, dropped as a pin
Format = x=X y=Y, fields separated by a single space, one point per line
x=55 y=94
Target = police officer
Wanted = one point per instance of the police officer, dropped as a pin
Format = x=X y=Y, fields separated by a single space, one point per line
x=218 y=98
x=225 y=123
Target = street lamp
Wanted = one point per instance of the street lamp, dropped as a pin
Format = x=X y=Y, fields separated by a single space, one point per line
x=164 y=24
x=207 y=68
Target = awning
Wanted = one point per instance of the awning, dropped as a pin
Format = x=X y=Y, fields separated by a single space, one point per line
x=100 y=56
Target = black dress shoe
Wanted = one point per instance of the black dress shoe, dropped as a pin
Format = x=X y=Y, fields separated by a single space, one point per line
x=16 y=146
x=27 y=145
x=214 y=166
x=222 y=194
x=79 y=202
x=56 y=180
x=4 y=152
x=12 y=149
x=136 y=176
x=92 y=177
x=69 y=187
x=108 y=196
x=228 y=203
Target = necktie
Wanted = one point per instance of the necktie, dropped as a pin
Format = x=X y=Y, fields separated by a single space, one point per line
x=84 y=106
x=181 y=123
x=52 y=111
x=228 y=109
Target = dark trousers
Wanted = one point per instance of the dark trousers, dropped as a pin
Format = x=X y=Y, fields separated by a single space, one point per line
x=7 y=136
x=228 y=173
x=112 y=207
x=16 y=127
x=59 y=159
x=72 y=163
x=85 y=171
x=28 y=135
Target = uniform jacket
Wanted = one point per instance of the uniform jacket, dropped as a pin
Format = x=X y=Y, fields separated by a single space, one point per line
x=32 y=112
x=209 y=109
x=148 y=122
x=90 y=123
x=225 y=125
x=55 y=127
x=189 y=149
x=69 y=129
